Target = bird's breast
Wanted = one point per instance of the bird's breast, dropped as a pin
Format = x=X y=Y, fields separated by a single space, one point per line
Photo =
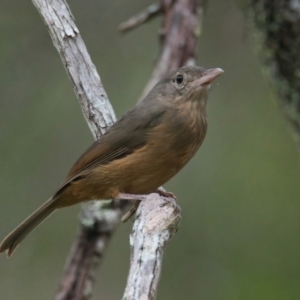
x=169 y=147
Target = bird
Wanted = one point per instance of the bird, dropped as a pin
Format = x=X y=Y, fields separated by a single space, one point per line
x=139 y=153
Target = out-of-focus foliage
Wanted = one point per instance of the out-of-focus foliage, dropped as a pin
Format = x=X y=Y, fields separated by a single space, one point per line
x=239 y=238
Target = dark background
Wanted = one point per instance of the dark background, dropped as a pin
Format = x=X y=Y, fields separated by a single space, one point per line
x=239 y=237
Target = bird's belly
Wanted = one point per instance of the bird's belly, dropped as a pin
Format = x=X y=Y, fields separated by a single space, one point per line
x=142 y=172
x=138 y=173
x=144 y=180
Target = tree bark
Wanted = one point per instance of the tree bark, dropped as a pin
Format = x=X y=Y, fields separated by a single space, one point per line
x=156 y=222
x=277 y=35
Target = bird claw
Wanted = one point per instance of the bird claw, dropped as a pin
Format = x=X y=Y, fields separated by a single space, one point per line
x=166 y=194
x=169 y=199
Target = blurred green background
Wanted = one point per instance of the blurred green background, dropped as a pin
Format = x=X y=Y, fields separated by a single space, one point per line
x=239 y=237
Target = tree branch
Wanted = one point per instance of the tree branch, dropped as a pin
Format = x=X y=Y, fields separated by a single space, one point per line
x=98 y=219
x=277 y=30
x=180 y=29
x=87 y=85
x=156 y=222
x=141 y=18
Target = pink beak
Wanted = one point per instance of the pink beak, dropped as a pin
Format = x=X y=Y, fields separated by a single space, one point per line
x=209 y=76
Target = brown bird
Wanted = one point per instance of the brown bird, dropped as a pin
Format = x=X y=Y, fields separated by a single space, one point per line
x=145 y=148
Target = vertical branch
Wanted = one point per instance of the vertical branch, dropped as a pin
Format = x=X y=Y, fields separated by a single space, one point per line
x=155 y=224
x=277 y=32
x=181 y=27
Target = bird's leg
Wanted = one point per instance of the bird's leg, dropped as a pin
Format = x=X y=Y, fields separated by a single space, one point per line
x=123 y=196
x=170 y=198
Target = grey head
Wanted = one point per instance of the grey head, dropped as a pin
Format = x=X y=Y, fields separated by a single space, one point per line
x=190 y=83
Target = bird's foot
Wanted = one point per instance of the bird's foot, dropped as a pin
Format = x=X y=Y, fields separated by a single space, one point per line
x=166 y=194
x=170 y=199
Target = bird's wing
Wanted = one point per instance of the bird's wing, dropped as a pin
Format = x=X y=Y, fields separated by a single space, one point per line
x=122 y=138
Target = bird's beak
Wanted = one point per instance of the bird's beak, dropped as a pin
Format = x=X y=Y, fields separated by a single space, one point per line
x=209 y=76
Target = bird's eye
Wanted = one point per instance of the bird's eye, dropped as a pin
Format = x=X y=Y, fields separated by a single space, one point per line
x=179 y=79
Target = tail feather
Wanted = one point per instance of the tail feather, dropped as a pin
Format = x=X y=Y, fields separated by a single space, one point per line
x=10 y=243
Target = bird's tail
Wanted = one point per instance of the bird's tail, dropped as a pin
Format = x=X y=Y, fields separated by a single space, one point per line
x=10 y=243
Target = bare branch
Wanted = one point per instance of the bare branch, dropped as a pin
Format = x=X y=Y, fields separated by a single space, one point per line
x=156 y=222
x=181 y=27
x=99 y=220
x=140 y=18
x=87 y=85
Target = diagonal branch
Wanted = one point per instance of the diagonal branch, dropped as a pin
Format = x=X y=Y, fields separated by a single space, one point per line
x=140 y=18
x=98 y=219
x=87 y=84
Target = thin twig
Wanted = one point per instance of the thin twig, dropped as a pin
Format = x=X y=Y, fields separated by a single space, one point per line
x=140 y=18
